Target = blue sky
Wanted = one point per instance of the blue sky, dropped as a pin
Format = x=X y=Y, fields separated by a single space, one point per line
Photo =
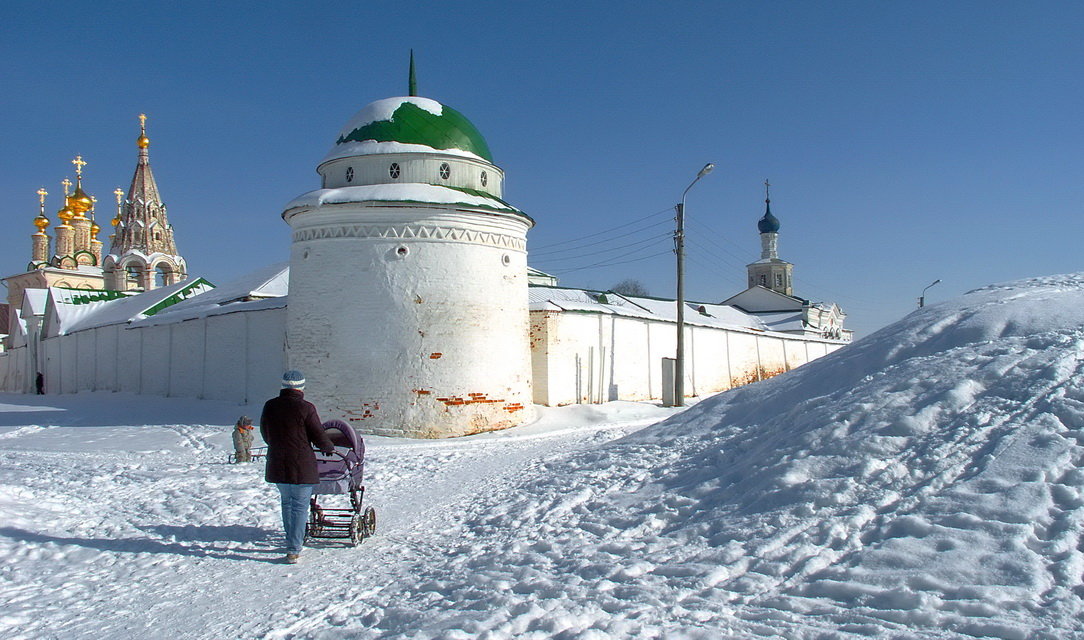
x=905 y=142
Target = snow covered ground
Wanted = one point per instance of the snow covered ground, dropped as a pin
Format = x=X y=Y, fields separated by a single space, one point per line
x=925 y=482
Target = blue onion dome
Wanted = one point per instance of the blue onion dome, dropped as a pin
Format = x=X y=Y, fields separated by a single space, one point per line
x=769 y=223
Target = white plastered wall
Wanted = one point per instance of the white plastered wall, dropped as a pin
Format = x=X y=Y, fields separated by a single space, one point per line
x=591 y=357
x=234 y=357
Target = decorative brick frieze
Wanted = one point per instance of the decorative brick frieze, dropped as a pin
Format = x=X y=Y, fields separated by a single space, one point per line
x=412 y=232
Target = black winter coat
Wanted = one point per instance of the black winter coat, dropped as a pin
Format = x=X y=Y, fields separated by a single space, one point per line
x=290 y=426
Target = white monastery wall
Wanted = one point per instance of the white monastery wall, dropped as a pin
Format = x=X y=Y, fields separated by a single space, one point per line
x=13 y=366
x=188 y=346
x=86 y=345
x=155 y=362
x=234 y=357
x=128 y=360
x=264 y=336
x=575 y=357
x=105 y=369
x=592 y=357
x=709 y=368
x=225 y=363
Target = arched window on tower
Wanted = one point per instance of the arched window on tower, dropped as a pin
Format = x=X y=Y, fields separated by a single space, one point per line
x=163 y=275
x=134 y=279
x=763 y=280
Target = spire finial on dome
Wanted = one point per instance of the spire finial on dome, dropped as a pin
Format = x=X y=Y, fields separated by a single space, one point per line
x=143 y=141
x=67 y=185
x=769 y=223
x=41 y=221
x=120 y=195
x=413 y=82
x=79 y=164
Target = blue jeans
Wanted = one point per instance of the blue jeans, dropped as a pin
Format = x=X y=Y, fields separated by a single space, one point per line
x=295 y=513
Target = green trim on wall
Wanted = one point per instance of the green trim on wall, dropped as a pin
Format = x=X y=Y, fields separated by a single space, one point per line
x=86 y=296
x=180 y=296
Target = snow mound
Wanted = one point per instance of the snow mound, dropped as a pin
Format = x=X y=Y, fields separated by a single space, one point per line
x=923 y=482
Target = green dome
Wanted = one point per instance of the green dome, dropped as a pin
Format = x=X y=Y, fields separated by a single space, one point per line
x=404 y=125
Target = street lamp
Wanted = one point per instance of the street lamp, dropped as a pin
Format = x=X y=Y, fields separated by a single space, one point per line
x=922 y=298
x=679 y=241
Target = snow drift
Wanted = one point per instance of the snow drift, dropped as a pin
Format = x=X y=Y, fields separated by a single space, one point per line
x=925 y=482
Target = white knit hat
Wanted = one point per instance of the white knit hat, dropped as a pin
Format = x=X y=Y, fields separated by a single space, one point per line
x=293 y=379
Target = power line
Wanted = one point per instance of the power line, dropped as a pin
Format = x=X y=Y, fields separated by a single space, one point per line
x=592 y=244
x=613 y=263
x=621 y=226
x=639 y=243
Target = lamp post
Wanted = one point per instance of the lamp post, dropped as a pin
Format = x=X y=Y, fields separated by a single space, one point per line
x=922 y=298
x=679 y=249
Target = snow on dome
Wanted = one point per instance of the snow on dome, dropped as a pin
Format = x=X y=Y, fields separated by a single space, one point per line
x=409 y=124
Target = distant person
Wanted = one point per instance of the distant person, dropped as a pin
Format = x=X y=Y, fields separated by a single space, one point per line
x=242 y=440
x=39 y=382
x=291 y=426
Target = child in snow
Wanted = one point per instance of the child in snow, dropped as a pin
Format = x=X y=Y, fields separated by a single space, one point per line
x=242 y=439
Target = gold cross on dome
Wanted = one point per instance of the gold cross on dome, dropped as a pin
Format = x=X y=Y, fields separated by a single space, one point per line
x=79 y=164
x=119 y=194
x=41 y=195
x=67 y=184
x=143 y=123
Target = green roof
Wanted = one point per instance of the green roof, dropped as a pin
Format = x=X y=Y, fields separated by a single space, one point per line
x=411 y=124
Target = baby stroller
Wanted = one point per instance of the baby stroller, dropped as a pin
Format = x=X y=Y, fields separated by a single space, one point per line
x=341 y=473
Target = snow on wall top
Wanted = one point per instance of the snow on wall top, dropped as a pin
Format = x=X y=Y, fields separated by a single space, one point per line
x=542 y=298
x=267 y=283
x=409 y=124
x=71 y=312
x=405 y=193
x=34 y=301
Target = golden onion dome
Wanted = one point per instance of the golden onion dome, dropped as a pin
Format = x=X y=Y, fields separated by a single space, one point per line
x=115 y=221
x=94 y=229
x=80 y=202
x=143 y=142
x=65 y=215
x=41 y=222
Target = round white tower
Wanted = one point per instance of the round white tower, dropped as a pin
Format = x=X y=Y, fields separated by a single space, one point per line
x=408 y=279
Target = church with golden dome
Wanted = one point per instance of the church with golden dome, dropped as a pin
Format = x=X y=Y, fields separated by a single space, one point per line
x=142 y=254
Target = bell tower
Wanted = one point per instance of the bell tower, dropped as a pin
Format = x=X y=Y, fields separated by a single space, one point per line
x=770 y=271
x=143 y=254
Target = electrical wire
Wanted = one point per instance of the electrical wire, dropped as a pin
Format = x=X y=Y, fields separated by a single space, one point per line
x=600 y=242
x=604 y=231
x=612 y=263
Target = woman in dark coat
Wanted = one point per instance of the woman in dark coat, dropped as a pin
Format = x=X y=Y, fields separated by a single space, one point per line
x=290 y=426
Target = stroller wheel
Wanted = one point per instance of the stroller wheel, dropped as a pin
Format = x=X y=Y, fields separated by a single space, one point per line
x=316 y=522
x=356 y=535
x=368 y=522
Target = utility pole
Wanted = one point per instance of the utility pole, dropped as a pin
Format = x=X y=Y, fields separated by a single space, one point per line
x=679 y=249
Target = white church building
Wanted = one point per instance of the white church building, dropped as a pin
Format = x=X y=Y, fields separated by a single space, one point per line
x=438 y=327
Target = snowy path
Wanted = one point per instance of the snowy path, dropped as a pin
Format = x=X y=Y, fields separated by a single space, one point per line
x=91 y=532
